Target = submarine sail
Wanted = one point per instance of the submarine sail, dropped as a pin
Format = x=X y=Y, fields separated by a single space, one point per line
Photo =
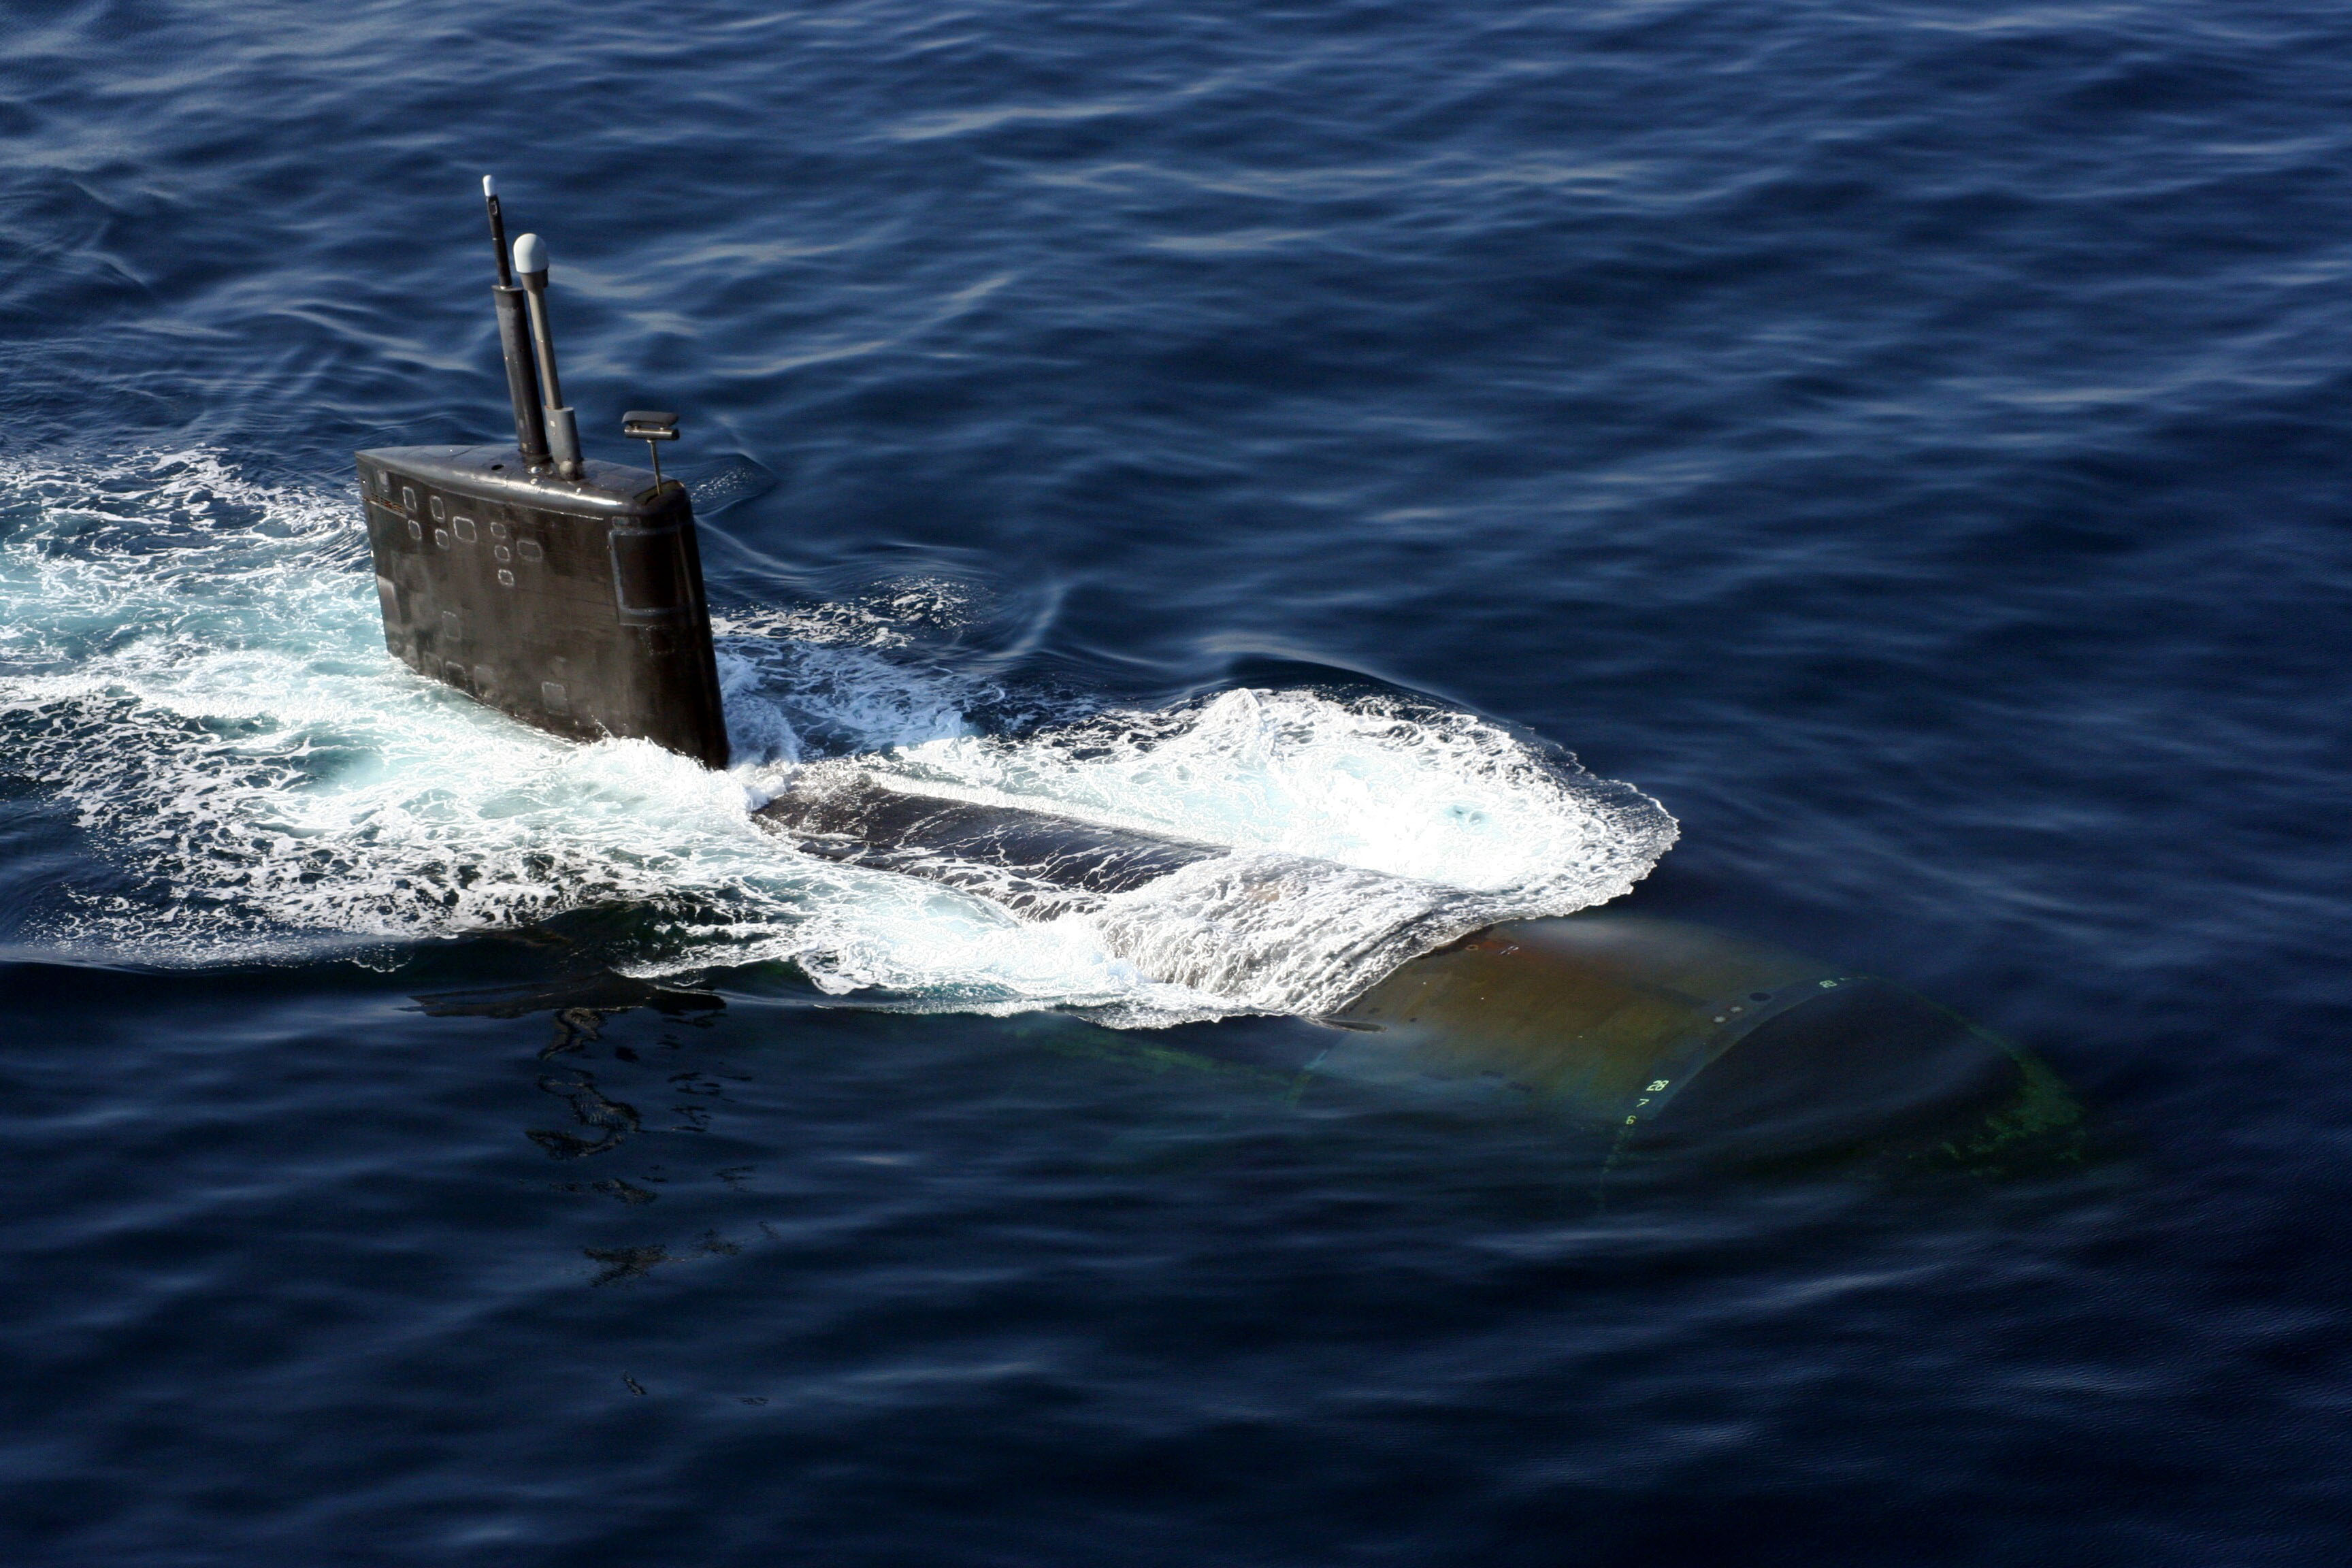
x=565 y=591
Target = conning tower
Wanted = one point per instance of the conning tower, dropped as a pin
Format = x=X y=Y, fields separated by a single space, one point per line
x=565 y=591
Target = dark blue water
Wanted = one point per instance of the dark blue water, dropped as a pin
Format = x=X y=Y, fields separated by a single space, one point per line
x=1908 y=440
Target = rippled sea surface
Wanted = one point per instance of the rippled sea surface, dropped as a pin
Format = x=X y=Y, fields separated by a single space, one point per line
x=1907 y=441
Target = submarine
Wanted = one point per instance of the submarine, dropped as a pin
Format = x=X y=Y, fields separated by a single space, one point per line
x=568 y=592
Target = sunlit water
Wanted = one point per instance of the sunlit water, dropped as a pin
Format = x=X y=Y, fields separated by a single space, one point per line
x=1904 y=446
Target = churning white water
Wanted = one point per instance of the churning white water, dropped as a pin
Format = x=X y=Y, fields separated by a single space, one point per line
x=192 y=671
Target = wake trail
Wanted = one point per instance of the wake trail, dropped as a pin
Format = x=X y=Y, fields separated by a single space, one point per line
x=192 y=664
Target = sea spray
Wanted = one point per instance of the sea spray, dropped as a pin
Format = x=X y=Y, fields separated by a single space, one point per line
x=190 y=665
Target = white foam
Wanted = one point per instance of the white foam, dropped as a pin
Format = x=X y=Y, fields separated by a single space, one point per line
x=192 y=661
x=1376 y=782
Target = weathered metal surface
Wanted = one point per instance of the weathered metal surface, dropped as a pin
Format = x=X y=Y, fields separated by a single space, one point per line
x=575 y=605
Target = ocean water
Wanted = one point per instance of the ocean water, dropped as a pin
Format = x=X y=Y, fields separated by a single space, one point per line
x=1868 y=476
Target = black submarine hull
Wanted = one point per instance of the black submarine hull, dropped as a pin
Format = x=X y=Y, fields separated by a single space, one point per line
x=578 y=606
x=569 y=594
x=1667 y=1039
